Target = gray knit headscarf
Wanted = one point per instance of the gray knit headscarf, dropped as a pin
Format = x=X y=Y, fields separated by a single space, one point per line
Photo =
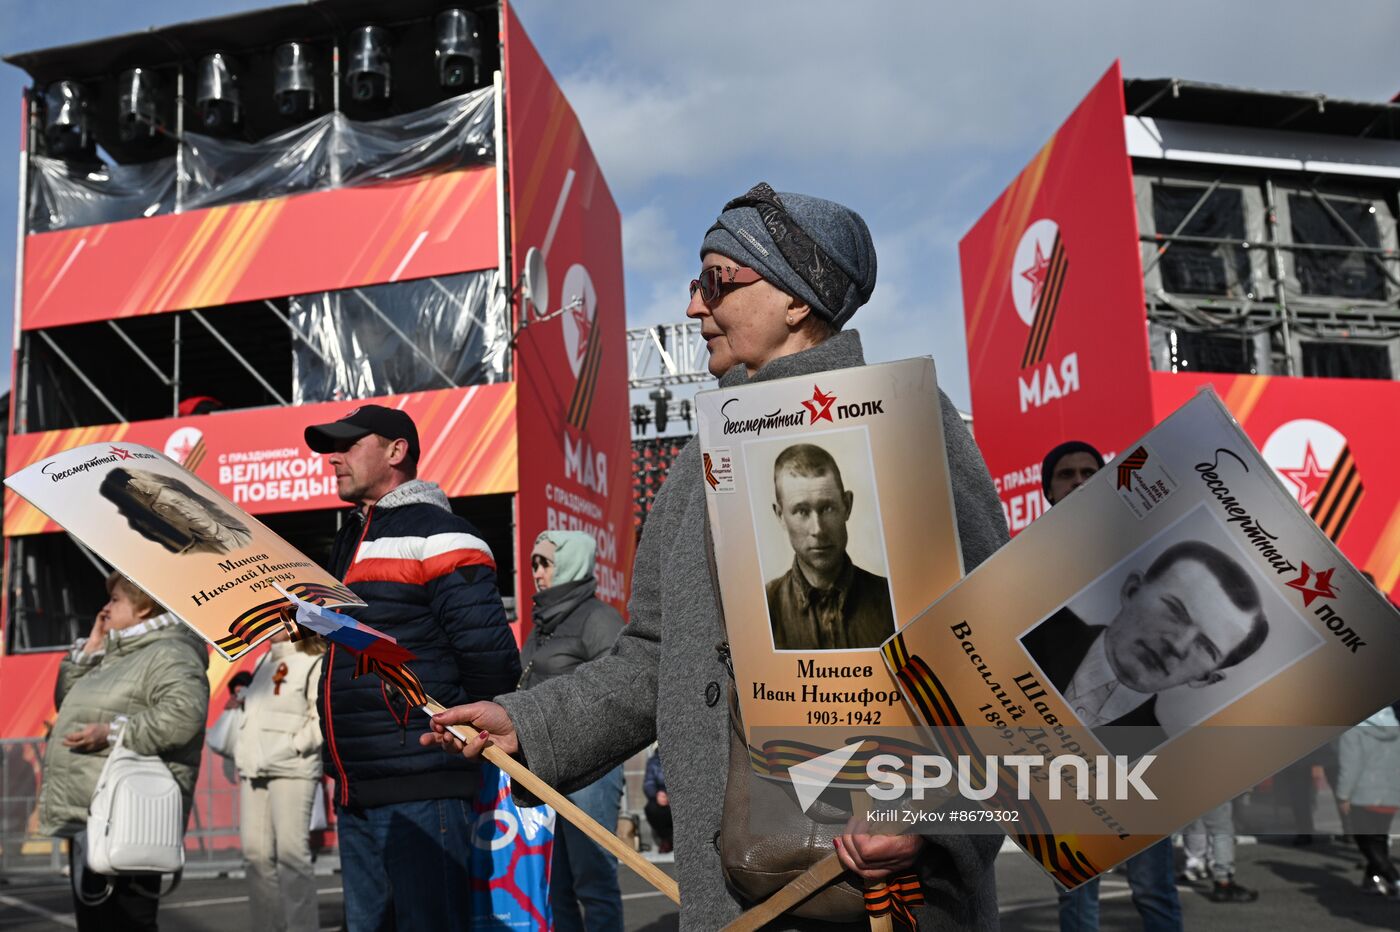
x=813 y=249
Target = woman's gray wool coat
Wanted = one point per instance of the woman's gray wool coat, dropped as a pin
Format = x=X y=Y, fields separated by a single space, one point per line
x=665 y=681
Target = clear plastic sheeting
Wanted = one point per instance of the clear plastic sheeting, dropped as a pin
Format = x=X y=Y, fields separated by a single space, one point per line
x=326 y=152
x=332 y=151
x=411 y=336
x=63 y=194
x=222 y=171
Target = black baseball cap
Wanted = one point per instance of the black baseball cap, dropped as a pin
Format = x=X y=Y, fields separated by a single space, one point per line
x=389 y=423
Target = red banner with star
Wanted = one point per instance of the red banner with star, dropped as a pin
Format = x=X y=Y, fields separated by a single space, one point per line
x=572 y=365
x=1053 y=305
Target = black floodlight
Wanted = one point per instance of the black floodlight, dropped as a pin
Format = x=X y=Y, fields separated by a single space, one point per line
x=293 y=88
x=661 y=398
x=458 y=50
x=217 y=101
x=67 y=122
x=367 y=58
x=136 y=105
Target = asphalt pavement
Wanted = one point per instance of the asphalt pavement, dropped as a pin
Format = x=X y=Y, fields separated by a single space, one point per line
x=1309 y=889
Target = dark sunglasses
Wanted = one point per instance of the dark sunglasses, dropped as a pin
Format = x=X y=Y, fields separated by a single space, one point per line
x=715 y=279
x=538 y=562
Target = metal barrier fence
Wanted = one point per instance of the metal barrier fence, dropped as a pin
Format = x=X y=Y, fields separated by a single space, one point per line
x=212 y=838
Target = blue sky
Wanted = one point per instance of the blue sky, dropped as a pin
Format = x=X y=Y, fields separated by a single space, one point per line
x=916 y=114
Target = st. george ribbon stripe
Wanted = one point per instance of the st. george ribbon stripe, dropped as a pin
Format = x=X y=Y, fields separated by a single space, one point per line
x=581 y=405
x=1129 y=465
x=775 y=758
x=1050 y=298
x=253 y=623
x=397 y=675
x=897 y=898
x=1061 y=856
x=1044 y=317
x=1339 y=497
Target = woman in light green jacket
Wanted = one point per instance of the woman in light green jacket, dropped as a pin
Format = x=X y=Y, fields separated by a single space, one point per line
x=140 y=674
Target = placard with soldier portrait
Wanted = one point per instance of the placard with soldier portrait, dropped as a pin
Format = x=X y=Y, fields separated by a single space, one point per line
x=1170 y=635
x=200 y=556
x=831 y=513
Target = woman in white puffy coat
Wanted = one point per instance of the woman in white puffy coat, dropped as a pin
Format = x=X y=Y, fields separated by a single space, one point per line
x=278 y=753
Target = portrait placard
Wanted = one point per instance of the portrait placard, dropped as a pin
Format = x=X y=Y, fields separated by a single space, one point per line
x=1178 y=618
x=831 y=513
x=200 y=556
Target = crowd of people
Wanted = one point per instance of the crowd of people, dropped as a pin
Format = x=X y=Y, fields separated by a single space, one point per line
x=782 y=275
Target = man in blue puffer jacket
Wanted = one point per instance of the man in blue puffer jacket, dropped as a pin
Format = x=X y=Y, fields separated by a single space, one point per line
x=430 y=582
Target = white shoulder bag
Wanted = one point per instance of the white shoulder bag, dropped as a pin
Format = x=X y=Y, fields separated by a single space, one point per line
x=135 y=820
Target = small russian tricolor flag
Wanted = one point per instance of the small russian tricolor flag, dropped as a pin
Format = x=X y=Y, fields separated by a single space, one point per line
x=347 y=632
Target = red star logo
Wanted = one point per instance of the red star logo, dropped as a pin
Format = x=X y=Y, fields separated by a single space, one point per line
x=1321 y=587
x=1309 y=478
x=119 y=453
x=1036 y=274
x=182 y=452
x=585 y=327
x=819 y=407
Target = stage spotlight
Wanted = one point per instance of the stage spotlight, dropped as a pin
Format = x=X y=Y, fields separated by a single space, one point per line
x=368 y=58
x=293 y=88
x=458 y=50
x=136 y=105
x=67 y=123
x=216 y=98
x=661 y=399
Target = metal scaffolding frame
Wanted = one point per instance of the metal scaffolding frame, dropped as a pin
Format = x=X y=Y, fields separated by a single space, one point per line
x=1289 y=313
x=172 y=379
x=666 y=355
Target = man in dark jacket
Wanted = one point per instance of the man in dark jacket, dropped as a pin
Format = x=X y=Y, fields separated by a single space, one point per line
x=430 y=582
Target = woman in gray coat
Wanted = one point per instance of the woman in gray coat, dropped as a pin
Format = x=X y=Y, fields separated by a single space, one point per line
x=780 y=275
x=139 y=673
x=573 y=626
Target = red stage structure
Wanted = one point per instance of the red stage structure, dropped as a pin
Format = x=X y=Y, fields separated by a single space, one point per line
x=309 y=244
x=1173 y=235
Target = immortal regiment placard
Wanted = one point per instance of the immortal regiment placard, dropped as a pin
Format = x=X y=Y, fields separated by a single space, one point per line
x=832 y=519
x=196 y=553
x=1165 y=638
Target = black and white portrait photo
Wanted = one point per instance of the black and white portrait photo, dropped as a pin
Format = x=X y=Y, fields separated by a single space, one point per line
x=1179 y=630
x=166 y=510
x=821 y=545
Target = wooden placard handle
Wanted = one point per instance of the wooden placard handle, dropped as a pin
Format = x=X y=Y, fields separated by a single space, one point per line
x=794 y=892
x=562 y=805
